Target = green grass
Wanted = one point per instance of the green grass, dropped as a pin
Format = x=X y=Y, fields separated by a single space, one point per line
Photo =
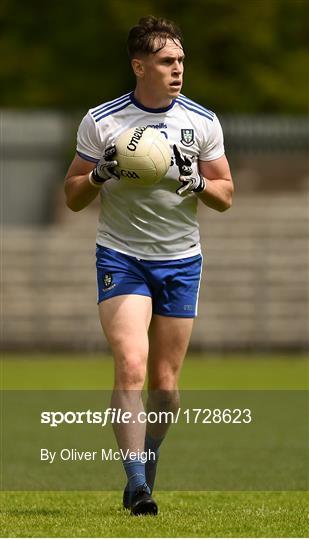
x=95 y=371
x=181 y=514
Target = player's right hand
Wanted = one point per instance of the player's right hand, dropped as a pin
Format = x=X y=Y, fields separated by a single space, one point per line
x=105 y=168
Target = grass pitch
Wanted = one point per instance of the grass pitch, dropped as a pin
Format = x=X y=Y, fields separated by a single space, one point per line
x=213 y=372
x=181 y=514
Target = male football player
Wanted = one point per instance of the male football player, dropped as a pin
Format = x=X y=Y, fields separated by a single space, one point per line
x=148 y=250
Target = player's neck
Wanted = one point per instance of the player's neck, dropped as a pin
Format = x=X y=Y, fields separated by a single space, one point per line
x=151 y=101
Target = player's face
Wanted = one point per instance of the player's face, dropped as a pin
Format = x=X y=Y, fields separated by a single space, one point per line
x=163 y=72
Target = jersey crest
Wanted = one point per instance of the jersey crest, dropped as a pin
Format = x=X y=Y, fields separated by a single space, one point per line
x=187 y=137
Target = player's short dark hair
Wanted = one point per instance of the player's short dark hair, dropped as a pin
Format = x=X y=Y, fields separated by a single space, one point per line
x=150 y=35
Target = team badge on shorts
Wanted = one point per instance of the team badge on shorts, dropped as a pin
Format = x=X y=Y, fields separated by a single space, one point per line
x=187 y=137
x=108 y=282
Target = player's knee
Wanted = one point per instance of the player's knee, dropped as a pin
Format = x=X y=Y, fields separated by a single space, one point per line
x=166 y=379
x=130 y=372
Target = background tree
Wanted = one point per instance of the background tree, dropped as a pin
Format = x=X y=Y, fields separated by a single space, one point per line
x=247 y=56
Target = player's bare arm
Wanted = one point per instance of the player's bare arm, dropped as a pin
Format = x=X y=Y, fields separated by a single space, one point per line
x=78 y=190
x=219 y=188
x=83 y=181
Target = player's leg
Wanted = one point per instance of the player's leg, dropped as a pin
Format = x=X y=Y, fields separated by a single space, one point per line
x=174 y=306
x=125 y=320
x=169 y=339
x=168 y=343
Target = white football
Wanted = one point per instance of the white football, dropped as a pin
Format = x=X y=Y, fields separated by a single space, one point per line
x=143 y=155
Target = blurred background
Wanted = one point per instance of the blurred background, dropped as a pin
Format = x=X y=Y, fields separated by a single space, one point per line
x=247 y=61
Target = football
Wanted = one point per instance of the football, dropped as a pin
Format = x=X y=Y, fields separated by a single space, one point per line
x=143 y=155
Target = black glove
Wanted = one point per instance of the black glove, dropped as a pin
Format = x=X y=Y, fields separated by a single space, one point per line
x=190 y=181
x=105 y=168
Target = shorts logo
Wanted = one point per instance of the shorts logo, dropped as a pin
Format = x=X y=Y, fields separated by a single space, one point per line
x=108 y=282
x=187 y=137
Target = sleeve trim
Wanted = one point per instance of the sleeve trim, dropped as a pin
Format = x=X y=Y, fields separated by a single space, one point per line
x=87 y=158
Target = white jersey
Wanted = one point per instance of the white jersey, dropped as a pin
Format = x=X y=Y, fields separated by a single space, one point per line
x=150 y=223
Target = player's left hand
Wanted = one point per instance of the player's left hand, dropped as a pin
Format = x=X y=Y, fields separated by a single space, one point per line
x=190 y=181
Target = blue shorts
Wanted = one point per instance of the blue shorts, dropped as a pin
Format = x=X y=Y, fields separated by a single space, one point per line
x=172 y=285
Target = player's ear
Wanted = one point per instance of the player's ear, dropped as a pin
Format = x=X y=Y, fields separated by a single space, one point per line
x=138 y=67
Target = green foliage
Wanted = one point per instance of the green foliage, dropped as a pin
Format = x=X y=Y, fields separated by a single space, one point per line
x=245 y=56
